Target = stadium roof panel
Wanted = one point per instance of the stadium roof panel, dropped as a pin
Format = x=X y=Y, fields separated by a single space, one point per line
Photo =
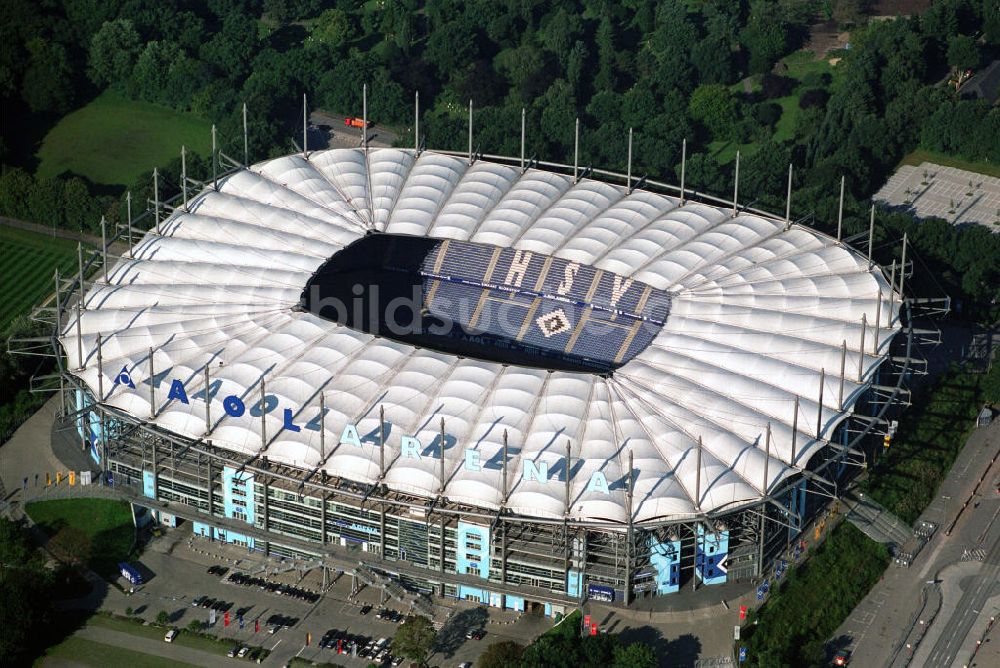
x=753 y=313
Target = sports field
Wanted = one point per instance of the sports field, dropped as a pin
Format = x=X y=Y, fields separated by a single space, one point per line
x=113 y=140
x=26 y=274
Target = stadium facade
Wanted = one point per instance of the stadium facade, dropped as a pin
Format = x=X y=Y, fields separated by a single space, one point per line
x=488 y=381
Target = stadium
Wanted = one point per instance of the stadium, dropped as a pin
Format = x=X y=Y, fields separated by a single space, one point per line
x=479 y=378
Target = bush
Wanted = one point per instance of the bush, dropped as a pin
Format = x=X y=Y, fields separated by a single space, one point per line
x=774 y=85
x=767 y=113
x=814 y=97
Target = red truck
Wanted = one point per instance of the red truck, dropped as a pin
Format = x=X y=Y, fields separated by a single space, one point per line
x=355 y=122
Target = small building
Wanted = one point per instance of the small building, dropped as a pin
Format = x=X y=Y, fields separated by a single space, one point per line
x=983 y=85
x=985 y=417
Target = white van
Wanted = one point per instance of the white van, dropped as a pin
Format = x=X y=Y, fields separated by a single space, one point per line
x=171 y=634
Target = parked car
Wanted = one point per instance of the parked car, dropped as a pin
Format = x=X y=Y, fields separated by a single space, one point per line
x=232 y=651
x=478 y=634
x=365 y=609
x=171 y=634
x=198 y=601
x=243 y=652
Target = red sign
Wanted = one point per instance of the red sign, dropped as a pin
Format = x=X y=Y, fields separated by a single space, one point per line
x=593 y=629
x=256 y=626
x=340 y=646
x=586 y=621
x=743 y=612
x=225 y=619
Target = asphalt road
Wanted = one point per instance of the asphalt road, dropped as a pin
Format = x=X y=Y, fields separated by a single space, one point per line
x=912 y=611
x=975 y=593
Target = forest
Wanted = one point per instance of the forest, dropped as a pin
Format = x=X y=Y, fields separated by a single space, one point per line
x=708 y=71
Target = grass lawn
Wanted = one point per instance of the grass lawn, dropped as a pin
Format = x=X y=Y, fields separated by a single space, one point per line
x=83 y=652
x=920 y=155
x=96 y=531
x=799 y=65
x=26 y=276
x=725 y=151
x=114 y=140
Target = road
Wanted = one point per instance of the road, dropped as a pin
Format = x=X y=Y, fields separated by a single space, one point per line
x=328 y=131
x=923 y=615
x=976 y=591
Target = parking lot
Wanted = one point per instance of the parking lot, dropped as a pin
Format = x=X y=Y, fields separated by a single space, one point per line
x=955 y=195
x=278 y=612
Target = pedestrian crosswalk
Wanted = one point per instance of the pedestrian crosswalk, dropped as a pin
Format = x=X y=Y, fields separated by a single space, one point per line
x=975 y=554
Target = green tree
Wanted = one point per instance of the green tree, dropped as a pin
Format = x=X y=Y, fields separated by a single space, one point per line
x=231 y=50
x=848 y=12
x=714 y=106
x=415 y=639
x=71 y=544
x=560 y=33
x=162 y=617
x=48 y=81
x=449 y=47
x=25 y=596
x=332 y=28
x=113 y=52
x=526 y=69
x=765 y=35
x=963 y=52
x=635 y=655
x=504 y=654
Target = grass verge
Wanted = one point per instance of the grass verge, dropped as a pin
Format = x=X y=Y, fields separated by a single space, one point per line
x=794 y=625
x=930 y=436
x=920 y=155
x=185 y=638
x=113 y=140
x=77 y=651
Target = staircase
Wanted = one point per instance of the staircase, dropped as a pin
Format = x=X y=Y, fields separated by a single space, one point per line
x=393 y=589
x=876 y=522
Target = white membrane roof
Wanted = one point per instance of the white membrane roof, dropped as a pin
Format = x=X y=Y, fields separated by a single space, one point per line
x=759 y=311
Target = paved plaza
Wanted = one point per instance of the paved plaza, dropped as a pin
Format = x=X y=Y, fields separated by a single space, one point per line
x=957 y=196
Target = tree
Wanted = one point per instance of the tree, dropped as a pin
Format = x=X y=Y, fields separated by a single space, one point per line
x=526 y=69
x=72 y=544
x=764 y=36
x=505 y=654
x=196 y=626
x=113 y=52
x=231 y=50
x=332 y=28
x=963 y=52
x=449 y=47
x=48 y=81
x=849 y=12
x=635 y=655
x=25 y=596
x=162 y=617
x=715 y=107
x=415 y=639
